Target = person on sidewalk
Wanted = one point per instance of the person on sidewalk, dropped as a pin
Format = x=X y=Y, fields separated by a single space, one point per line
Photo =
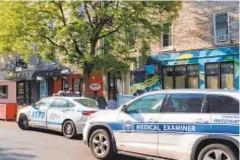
x=112 y=103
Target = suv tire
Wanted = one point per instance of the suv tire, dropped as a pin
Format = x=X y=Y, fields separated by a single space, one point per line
x=213 y=150
x=101 y=144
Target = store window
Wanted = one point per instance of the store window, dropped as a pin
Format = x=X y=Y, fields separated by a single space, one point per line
x=168 y=77
x=3 y=92
x=193 y=76
x=76 y=84
x=219 y=75
x=227 y=75
x=24 y=92
x=181 y=76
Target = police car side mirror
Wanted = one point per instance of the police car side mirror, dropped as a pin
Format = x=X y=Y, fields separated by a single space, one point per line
x=35 y=106
x=124 y=109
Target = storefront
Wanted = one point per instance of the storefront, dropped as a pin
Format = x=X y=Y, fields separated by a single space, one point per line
x=63 y=83
x=216 y=68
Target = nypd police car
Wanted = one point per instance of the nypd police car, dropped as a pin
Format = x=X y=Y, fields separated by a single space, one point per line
x=63 y=114
x=170 y=124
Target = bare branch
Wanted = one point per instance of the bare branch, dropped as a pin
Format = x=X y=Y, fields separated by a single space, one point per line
x=54 y=43
x=62 y=12
x=88 y=15
x=110 y=32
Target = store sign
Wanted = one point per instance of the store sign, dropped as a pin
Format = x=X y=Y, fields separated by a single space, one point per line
x=24 y=75
x=95 y=86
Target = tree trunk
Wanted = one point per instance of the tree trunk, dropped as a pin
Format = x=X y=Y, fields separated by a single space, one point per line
x=93 y=47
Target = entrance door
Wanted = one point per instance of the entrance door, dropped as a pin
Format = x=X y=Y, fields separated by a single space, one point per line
x=140 y=126
x=182 y=119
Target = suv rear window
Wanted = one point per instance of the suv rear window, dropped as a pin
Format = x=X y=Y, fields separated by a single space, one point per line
x=223 y=104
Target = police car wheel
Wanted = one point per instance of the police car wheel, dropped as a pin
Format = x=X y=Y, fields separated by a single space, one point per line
x=23 y=122
x=69 y=130
x=101 y=145
x=216 y=152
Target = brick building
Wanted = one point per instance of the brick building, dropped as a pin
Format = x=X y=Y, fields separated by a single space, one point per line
x=200 y=49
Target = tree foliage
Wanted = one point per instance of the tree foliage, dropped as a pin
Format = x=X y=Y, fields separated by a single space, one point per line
x=73 y=30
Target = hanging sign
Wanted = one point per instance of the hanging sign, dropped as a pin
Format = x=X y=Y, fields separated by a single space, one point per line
x=95 y=86
x=24 y=75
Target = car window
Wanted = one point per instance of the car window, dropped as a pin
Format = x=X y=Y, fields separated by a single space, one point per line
x=45 y=102
x=60 y=103
x=223 y=104
x=188 y=103
x=146 y=104
x=87 y=102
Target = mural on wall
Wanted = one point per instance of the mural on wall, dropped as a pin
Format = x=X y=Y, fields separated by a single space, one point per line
x=147 y=80
x=200 y=57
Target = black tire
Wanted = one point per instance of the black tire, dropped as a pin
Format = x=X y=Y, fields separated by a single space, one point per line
x=23 y=122
x=207 y=149
x=109 y=153
x=69 y=129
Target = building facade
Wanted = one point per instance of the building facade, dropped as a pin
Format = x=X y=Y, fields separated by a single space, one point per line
x=200 y=49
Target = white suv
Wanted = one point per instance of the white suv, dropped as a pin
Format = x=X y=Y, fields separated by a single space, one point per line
x=171 y=124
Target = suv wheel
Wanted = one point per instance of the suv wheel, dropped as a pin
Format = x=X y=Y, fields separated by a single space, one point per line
x=23 y=122
x=216 y=152
x=101 y=145
x=69 y=130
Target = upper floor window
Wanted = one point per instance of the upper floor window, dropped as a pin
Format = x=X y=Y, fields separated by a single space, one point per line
x=166 y=37
x=81 y=10
x=221 y=28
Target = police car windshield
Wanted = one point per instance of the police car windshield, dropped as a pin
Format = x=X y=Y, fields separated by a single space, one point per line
x=87 y=102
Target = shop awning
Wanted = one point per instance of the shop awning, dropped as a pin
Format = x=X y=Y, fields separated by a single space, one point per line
x=52 y=73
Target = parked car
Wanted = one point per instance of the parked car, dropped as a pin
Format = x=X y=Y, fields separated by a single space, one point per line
x=172 y=124
x=63 y=114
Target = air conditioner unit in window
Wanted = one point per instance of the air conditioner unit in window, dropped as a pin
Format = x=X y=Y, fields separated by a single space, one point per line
x=222 y=38
x=222 y=35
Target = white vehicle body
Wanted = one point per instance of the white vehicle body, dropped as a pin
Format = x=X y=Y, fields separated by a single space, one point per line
x=51 y=113
x=166 y=134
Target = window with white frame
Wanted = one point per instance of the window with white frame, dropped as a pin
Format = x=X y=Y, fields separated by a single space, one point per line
x=221 y=27
x=166 y=36
x=81 y=10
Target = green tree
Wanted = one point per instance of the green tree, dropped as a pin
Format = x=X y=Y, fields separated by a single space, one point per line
x=73 y=29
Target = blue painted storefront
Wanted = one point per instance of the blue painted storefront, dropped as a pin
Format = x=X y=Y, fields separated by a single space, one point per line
x=201 y=57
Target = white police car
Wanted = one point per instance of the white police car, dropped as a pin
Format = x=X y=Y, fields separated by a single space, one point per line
x=63 y=114
x=171 y=124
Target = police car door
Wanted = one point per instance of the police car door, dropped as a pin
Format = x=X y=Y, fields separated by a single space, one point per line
x=183 y=117
x=39 y=112
x=139 y=125
x=56 y=113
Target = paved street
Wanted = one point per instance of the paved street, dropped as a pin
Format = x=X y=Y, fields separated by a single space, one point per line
x=16 y=144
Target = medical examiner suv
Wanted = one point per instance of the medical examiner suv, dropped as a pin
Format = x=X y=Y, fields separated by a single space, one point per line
x=171 y=124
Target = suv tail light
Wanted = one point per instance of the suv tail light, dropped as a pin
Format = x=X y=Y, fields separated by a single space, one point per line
x=88 y=113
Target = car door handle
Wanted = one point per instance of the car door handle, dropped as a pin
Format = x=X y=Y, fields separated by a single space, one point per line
x=201 y=121
x=152 y=120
